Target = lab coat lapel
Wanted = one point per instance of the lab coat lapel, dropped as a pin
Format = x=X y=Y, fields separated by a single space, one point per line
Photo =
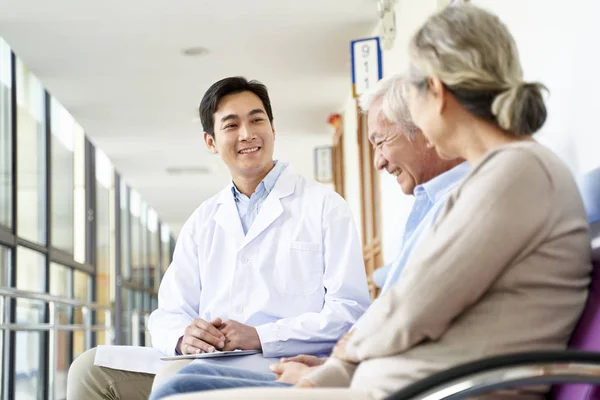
x=227 y=216
x=272 y=208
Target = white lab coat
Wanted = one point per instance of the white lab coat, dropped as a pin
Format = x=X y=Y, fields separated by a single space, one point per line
x=297 y=276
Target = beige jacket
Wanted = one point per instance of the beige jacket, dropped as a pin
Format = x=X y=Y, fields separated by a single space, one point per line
x=504 y=269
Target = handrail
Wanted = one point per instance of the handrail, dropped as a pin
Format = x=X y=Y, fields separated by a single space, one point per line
x=24 y=294
x=53 y=326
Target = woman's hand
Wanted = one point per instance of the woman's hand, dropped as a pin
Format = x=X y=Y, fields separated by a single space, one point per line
x=339 y=351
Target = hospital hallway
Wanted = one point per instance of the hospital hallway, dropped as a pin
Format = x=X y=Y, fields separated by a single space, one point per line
x=103 y=155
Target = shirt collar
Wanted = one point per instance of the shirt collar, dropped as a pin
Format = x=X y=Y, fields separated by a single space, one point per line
x=268 y=182
x=439 y=186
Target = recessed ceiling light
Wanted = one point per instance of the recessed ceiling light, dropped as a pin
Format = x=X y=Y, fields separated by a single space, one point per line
x=194 y=51
x=188 y=170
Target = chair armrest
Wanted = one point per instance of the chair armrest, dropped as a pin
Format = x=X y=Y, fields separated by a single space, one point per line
x=506 y=371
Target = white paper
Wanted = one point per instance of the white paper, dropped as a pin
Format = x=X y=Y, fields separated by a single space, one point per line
x=130 y=358
x=147 y=360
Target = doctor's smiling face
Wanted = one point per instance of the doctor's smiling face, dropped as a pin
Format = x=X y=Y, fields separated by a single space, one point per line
x=237 y=119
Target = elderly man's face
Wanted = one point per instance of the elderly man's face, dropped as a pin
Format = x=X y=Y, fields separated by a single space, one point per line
x=400 y=156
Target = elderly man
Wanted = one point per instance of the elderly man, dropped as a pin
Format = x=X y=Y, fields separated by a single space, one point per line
x=402 y=151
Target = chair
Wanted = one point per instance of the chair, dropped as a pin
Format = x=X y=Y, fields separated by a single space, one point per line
x=575 y=372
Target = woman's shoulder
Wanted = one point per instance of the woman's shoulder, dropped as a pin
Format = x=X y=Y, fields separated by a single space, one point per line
x=527 y=159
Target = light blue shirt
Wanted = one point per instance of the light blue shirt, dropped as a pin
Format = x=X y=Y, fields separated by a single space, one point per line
x=248 y=208
x=430 y=197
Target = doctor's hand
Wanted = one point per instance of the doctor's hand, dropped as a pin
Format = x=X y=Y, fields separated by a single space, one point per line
x=202 y=337
x=239 y=336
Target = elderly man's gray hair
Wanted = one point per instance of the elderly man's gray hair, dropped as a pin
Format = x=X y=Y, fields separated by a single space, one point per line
x=391 y=91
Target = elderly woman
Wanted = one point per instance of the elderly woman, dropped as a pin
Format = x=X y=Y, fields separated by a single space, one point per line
x=506 y=266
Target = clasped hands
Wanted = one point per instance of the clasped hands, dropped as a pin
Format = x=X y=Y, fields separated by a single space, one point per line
x=202 y=336
x=206 y=337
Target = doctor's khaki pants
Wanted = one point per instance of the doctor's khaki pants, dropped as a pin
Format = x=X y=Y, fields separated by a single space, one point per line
x=87 y=381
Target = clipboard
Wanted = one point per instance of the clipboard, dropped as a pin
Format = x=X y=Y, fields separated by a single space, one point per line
x=216 y=354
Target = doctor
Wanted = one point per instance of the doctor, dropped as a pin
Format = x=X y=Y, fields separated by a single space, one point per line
x=273 y=262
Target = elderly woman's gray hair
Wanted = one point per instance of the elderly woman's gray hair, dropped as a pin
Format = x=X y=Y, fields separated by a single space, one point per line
x=391 y=91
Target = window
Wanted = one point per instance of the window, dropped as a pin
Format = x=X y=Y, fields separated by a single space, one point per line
x=68 y=183
x=82 y=291
x=165 y=239
x=6 y=182
x=139 y=243
x=29 y=367
x=61 y=284
x=31 y=158
x=104 y=266
x=28 y=375
x=125 y=233
x=63 y=185
x=5 y=263
x=154 y=250
x=31 y=276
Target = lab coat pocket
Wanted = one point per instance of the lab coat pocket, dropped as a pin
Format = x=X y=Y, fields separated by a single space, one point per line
x=300 y=271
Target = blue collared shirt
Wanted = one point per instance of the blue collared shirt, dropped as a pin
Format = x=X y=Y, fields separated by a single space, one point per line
x=248 y=208
x=430 y=197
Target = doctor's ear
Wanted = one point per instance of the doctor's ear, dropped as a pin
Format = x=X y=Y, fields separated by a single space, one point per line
x=210 y=142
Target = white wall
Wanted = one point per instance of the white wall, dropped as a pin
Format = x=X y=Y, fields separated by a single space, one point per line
x=558 y=46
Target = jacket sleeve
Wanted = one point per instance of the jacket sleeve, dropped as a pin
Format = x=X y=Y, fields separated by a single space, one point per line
x=497 y=215
x=178 y=294
x=334 y=373
x=346 y=294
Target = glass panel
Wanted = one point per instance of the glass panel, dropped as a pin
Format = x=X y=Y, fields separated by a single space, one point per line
x=80 y=212
x=154 y=250
x=5 y=263
x=63 y=360
x=63 y=186
x=6 y=182
x=29 y=366
x=126 y=308
x=144 y=248
x=61 y=280
x=137 y=266
x=82 y=290
x=31 y=160
x=31 y=273
x=104 y=183
x=165 y=238
x=125 y=232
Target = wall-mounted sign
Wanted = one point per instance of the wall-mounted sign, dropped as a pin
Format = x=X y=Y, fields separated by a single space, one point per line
x=323 y=164
x=366 y=64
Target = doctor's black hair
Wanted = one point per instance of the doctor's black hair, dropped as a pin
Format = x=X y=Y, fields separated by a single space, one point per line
x=225 y=87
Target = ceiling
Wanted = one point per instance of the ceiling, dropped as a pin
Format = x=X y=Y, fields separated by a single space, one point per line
x=118 y=67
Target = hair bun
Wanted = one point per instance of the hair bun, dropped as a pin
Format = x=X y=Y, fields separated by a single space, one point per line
x=521 y=109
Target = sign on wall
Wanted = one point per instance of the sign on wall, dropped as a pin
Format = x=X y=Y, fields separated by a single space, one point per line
x=323 y=157
x=366 y=64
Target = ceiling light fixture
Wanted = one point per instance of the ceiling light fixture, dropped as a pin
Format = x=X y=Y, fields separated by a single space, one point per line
x=194 y=51
x=191 y=170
